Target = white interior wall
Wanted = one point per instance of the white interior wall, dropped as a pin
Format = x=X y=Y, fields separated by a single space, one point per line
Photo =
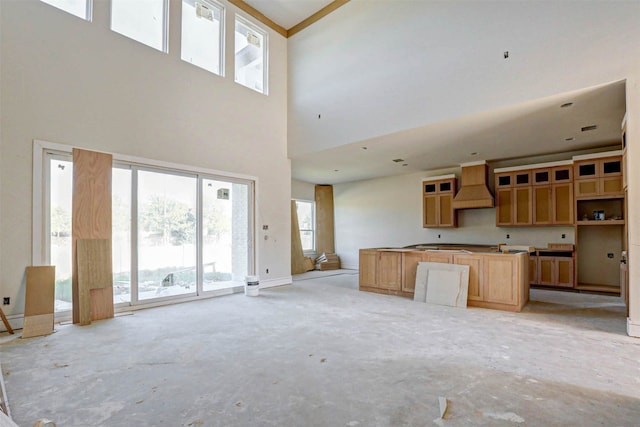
x=302 y=190
x=633 y=199
x=74 y=82
x=387 y=212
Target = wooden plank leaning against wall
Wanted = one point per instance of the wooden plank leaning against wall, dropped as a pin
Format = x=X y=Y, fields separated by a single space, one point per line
x=91 y=219
x=324 y=219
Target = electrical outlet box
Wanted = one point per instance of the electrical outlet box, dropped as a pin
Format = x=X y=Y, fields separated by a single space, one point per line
x=6 y=300
x=265 y=227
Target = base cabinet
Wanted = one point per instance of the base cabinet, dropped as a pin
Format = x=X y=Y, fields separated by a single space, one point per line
x=554 y=271
x=497 y=281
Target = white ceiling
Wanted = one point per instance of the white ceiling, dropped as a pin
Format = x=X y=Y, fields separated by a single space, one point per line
x=535 y=128
x=288 y=13
x=328 y=78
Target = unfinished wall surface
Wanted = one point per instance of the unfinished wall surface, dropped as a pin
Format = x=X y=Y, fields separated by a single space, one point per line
x=302 y=190
x=447 y=60
x=387 y=212
x=74 y=82
x=633 y=200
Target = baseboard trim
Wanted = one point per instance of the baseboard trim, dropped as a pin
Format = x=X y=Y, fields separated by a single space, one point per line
x=633 y=328
x=271 y=283
x=350 y=267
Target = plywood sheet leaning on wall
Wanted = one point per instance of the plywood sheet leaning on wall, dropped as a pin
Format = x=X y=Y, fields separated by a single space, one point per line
x=91 y=219
x=298 y=261
x=39 y=301
x=94 y=272
x=324 y=219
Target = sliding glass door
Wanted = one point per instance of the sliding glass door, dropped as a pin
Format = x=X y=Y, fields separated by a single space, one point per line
x=166 y=234
x=174 y=233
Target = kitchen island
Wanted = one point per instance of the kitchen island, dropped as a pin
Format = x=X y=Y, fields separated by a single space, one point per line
x=497 y=280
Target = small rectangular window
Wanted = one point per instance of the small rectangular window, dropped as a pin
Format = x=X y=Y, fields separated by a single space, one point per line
x=306 y=223
x=250 y=56
x=203 y=34
x=79 y=8
x=145 y=21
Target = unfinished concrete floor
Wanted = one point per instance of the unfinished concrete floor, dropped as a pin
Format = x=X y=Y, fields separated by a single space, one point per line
x=320 y=353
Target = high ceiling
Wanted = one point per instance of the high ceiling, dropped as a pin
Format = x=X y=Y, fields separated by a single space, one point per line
x=535 y=128
x=288 y=13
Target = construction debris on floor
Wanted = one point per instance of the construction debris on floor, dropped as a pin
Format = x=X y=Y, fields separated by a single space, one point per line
x=327 y=261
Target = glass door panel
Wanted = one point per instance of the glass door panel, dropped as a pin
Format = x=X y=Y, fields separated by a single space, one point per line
x=225 y=233
x=121 y=234
x=60 y=207
x=166 y=235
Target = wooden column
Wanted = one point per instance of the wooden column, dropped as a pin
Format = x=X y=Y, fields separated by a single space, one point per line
x=324 y=219
x=91 y=219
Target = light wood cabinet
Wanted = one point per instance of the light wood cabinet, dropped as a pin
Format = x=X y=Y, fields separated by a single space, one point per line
x=389 y=270
x=475 y=263
x=555 y=271
x=533 y=269
x=514 y=198
x=599 y=177
x=368 y=265
x=497 y=281
x=437 y=206
x=436 y=256
x=537 y=196
x=500 y=274
x=410 y=262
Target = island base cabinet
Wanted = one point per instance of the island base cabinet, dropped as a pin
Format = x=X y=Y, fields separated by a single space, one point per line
x=475 y=274
x=382 y=272
x=410 y=262
x=503 y=283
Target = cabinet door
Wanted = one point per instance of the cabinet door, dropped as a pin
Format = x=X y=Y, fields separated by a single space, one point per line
x=562 y=174
x=563 y=203
x=444 y=257
x=533 y=270
x=475 y=274
x=564 y=272
x=430 y=211
x=522 y=209
x=446 y=213
x=504 y=202
x=587 y=187
x=500 y=279
x=587 y=169
x=541 y=176
x=611 y=186
x=546 y=270
x=368 y=268
x=542 y=212
x=389 y=270
x=410 y=262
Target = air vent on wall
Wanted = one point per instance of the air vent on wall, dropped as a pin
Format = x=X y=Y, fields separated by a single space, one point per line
x=588 y=128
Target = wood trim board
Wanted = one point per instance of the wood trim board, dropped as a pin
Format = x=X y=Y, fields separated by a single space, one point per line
x=91 y=219
x=39 y=301
x=324 y=219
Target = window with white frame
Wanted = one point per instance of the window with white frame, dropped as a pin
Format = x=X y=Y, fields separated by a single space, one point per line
x=203 y=34
x=79 y=8
x=145 y=21
x=251 y=53
x=307 y=223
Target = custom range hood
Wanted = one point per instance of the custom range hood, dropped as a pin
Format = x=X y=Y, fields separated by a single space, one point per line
x=474 y=192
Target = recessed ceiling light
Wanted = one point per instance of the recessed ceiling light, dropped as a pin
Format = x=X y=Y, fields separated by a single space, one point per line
x=406 y=164
x=364 y=148
x=566 y=104
x=590 y=127
x=398 y=160
x=336 y=170
x=569 y=139
x=475 y=153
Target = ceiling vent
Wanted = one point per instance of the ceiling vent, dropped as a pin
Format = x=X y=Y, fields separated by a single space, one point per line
x=588 y=128
x=398 y=160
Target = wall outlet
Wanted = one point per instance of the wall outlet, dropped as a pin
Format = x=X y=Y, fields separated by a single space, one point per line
x=564 y=236
x=508 y=236
x=438 y=236
x=610 y=255
x=267 y=271
x=6 y=300
x=265 y=227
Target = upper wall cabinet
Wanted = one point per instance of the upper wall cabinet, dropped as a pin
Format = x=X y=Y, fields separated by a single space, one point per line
x=599 y=178
x=535 y=195
x=437 y=199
